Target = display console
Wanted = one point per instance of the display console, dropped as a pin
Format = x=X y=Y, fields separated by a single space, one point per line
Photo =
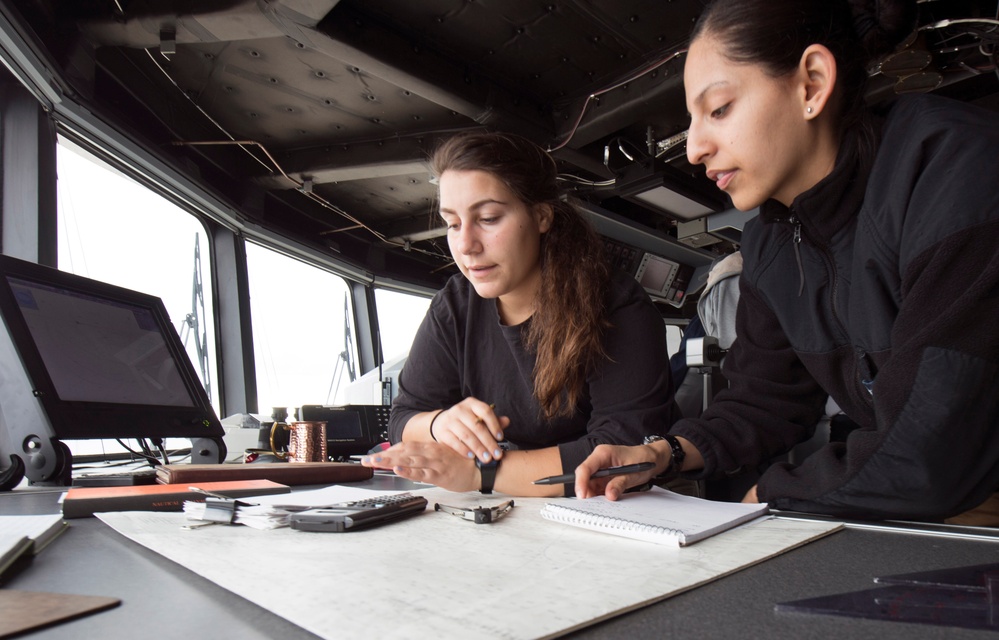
x=83 y=359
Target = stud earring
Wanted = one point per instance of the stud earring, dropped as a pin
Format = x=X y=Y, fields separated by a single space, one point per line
x=808 y=110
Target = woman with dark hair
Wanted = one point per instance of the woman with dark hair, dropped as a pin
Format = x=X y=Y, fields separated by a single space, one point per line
x=535 y=353
x=870 y=275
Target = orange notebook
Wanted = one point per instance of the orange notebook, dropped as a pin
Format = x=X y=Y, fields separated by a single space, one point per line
x=81 y=502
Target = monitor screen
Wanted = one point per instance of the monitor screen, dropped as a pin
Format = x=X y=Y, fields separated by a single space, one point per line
x=344 y=425
x=656 y=274
x=103 y=361
x=99 y=350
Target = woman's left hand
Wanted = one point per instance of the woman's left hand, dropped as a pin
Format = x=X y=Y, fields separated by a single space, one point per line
x=431 y=462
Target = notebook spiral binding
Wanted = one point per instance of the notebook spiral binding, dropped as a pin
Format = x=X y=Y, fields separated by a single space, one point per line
x=567 y=515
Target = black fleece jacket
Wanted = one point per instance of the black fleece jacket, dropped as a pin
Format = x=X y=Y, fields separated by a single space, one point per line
x=880 y=289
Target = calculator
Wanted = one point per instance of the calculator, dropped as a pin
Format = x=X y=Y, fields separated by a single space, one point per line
x=358 y=514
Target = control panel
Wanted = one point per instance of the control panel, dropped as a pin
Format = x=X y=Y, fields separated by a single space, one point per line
x=663 y=279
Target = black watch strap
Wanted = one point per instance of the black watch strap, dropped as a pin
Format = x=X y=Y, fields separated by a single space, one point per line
x=488 y=472
x=677 y=454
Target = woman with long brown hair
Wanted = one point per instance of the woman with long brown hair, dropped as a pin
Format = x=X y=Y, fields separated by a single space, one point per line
x=536 y=352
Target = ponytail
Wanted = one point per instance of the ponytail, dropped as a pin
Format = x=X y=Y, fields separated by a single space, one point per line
x=775 y=33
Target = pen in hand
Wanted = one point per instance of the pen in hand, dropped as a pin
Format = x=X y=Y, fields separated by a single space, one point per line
x=569 y=478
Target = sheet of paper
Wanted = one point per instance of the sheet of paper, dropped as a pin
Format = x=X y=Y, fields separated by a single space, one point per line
x=436 y=575
x=318 y=497
x=272 y=511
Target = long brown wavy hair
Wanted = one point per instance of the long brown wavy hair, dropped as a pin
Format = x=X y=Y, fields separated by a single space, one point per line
x=570 y=314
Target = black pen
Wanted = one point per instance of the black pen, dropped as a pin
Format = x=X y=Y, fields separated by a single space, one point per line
x=569 y=478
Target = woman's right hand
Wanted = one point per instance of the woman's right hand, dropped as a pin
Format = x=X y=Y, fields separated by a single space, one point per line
x=471 y=428
x=427 y=462
x=607 y=455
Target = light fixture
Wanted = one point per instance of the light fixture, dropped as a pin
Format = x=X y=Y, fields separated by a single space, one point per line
x=673 y=203
x=719 y=227
x=667 y=191
x=429 y=234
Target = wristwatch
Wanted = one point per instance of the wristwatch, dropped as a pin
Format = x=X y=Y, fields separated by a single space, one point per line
x=676 y=454
x=488 y=472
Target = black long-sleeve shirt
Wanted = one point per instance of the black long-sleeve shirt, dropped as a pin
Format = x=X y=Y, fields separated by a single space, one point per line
x=463 y=350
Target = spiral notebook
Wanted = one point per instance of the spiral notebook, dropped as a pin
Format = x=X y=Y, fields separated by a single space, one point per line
x=657 y=515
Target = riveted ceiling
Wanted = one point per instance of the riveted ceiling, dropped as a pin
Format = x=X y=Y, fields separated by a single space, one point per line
x=315 y=117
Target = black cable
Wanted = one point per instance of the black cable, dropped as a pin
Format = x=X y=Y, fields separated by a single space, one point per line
x=147 y=456
x=158 y=443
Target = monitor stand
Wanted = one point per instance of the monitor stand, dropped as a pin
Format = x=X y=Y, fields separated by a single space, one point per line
x=208 y=451
x=29 y=440
x=11 y=476
x=47 y=461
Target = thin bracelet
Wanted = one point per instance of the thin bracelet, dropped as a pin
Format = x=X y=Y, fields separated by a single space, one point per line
x=432 y=424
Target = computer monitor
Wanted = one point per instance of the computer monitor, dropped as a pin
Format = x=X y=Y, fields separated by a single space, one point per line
x=82 y=359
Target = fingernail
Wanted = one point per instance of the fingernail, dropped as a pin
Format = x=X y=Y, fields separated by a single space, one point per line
x=378 y=458
x=365 y=460
x=499 y=436
x=497 y=453
x=485 y=457
x=471 y=455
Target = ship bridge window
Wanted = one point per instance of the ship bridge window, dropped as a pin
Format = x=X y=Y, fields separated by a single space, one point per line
x=300 y=349
x=113 y=229
x=399 y=316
